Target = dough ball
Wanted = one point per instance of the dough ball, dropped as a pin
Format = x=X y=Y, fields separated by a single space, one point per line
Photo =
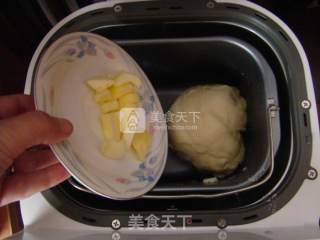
x=219 y=114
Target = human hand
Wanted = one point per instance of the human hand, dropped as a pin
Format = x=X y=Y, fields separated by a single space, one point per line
x=23 y=172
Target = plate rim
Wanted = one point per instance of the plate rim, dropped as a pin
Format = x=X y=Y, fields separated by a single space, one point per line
x=56 y=149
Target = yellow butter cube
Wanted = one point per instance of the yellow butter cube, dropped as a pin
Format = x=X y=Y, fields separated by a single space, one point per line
x=119 y=91
x=104 y=96
x=110 y=106
x=124 y=78
x=128 y=138
x=111 y=126
x=113 y=94
x=99 y=84
x=129 y=100
x=114 y=149
x=129 y=105
x=141 y=143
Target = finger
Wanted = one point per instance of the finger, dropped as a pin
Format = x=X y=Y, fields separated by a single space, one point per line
x=11 y=105
x=22 y=185
x=28 y=129
x=31 y=161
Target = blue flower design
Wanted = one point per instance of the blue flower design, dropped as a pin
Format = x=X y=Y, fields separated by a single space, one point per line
x=83 y=38
x=142 y=166
x=86 y=47
x=82 y=43
x=141 y=179
x=91 y=50
x=143 y=173
x=71 y=51
x=140 y=175
x=137 y=173
x=152 y=160
x=150 y=179
x=80 y=54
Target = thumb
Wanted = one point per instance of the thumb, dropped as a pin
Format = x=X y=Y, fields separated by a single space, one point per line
x=23 y=131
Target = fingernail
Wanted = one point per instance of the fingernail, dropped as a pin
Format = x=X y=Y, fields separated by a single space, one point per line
x=65 y=125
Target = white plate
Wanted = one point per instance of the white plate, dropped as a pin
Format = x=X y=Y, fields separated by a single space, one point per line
x=60 y=90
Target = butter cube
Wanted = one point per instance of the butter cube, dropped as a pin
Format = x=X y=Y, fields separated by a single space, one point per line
x=104 y=96
x=124 y=78
x=141 y=143
x=128 y=138
x=111 y=126
x=129 y=100
x=114 y=149
x=119 y=91
x=110 y=106
x=99 y=84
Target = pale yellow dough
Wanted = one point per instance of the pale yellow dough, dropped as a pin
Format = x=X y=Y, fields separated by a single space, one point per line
x=216 y=144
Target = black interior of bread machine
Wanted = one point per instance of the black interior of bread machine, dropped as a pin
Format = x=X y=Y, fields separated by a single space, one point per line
x=177 y=47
